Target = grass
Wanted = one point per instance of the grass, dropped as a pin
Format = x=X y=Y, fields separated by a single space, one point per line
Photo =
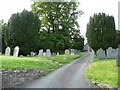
x=104 y=71
x=65 y=59
x=10 y=62
x=45 y=63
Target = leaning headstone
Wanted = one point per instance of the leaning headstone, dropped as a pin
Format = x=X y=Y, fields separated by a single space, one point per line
x=101 y=54
x=67 y=52
x=72 y=51
x=16 y=51
x=118 y=58
x=7 y=51
x=110 y=53
x=40 y=52
x=48 y=53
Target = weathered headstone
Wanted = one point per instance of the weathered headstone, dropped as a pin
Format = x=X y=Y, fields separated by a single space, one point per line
x=110 y=54
x=118 y=58
x=48 y=53
x=44 y=53
x=77 y=51
x=101 y=54
x=72 y=52
x=67 y=52
x=114 y=53
x=16 y=51
x=53 y=54
x=28 y=55
x=7 y=51
x=57 y=53
x=40 y=52
x=32 y=54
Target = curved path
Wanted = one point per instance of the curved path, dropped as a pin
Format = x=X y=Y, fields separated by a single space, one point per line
x=69 y=76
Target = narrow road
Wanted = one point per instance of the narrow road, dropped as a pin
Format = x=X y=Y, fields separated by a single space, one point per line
x=69 y=76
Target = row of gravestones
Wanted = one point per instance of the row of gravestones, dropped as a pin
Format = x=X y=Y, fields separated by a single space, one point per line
x=48 y=52
x=15 y=52
x=41 y=53
x=110 y=53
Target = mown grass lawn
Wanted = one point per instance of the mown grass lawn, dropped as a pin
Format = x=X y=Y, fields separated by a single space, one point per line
x=45 y=63
x=104 y=71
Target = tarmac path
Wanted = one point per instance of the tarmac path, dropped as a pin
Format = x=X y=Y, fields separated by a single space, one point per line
x=71 y=75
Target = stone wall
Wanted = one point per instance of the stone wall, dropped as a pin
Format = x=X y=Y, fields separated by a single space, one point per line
x=14 y=78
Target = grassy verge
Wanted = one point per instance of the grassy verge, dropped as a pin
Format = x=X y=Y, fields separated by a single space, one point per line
x=104 y=71
x=45 y=63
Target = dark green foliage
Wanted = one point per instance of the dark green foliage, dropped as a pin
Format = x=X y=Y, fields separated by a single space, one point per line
x=3 y=27
x=101 y=31
x=59 y=23
x=23 y=31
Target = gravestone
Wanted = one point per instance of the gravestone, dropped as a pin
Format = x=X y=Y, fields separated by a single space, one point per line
x=110 y=53
x=16 y=51
x=114 y=53
x=118 y=58
x=101 y=54
x=67 y=52
x=57 y=53
x=77 y=51
x=40 y=52
x=72 y=52
x=44 y=53
x=48 y=53
x=53 y=54
x=7 y=51
x=32 y=54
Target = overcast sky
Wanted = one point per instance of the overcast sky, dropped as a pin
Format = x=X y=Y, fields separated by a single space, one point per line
x=110 y=7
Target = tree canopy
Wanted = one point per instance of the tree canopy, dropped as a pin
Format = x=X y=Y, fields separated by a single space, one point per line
x=101 y=31
x=58 y=24
x=23 y=31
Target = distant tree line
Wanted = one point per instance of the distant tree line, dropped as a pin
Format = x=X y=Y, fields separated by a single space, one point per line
x=50 y=25
x=101 y=32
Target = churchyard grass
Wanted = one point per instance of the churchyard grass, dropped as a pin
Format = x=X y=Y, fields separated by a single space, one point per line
x=65 y=59
x=10 y=62
x=46 y=63
x=103 y=71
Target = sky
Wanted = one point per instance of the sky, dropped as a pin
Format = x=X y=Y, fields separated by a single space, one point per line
x=89 y=7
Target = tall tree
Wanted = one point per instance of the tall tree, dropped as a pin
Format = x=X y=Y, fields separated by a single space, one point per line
x=23 y=31
x=58 y=19
x=101 y=31
x=3 y=27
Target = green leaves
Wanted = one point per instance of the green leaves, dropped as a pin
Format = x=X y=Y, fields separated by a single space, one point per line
x=58 y=19
x=23 y=31
x=101 y=31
